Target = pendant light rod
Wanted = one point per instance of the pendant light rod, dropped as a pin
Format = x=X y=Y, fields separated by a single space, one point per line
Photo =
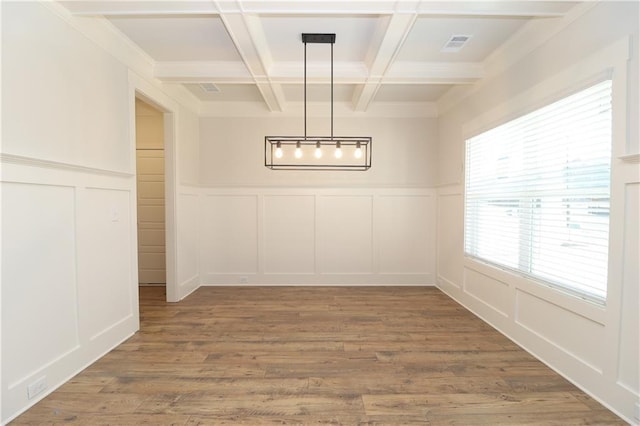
x=331 y=91
x=305 y=90
x=293 y=152
x=317 y=38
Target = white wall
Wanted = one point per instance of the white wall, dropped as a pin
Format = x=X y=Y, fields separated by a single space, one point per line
x=403 y=155
x=595 y=347
x=260 y=226
x=187 y=207
x=69 y=268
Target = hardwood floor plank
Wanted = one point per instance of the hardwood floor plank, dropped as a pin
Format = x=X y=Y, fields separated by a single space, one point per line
x=441 y=405
x=223 y=386
x=251 y=405
x=315 y=355
x=521 y=419
x=373 y=384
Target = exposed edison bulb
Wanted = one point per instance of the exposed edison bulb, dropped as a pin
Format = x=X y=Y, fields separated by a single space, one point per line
x=318 y=151
x=278 y=150
x=298 y=152
x=358 y=153
x=338 y=152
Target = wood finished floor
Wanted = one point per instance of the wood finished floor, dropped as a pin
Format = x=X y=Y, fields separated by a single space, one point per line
x=319 y=355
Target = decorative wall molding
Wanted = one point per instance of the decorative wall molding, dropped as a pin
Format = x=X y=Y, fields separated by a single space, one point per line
x=58 y=165
x=100 y=208
x=317 y=236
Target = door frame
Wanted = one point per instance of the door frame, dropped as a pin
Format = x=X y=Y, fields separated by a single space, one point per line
x=142 y=89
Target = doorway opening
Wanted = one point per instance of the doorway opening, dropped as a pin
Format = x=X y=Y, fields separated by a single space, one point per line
x=150 y=182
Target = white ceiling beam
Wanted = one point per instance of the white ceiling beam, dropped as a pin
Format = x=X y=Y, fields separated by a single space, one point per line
x=387 y=7
x=139 y=8
x=220 y=72
x=247 y=34
x=318 y=71
x=514 y=9
x=394 y=36
x=289 y=7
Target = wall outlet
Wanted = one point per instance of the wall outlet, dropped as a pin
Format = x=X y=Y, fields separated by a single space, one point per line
x=37 y=387
x=244 y=280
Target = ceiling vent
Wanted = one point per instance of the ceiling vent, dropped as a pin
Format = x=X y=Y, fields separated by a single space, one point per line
x=455 y=43
x=209 y=87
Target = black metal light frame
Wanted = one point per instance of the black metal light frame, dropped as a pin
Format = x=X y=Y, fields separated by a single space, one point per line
x=289 y=162
x=310 y=162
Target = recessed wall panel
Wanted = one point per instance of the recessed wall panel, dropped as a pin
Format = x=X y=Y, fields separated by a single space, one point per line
x=230 y=238
x=406 y=234
x=493 y=293
x=345 y=234
x=289 y=234
x=450 y=238
x=188 y=237
x=629 y=371
x=572 y=333
x=105 y=257
x=39 y=303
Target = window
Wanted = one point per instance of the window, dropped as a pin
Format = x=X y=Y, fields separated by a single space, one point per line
x=537 y=193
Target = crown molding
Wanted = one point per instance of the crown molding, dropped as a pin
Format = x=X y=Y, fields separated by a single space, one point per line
x=101 y=32
x=106 y=36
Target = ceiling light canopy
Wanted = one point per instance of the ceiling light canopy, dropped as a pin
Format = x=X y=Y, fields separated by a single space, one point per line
x=317 y=152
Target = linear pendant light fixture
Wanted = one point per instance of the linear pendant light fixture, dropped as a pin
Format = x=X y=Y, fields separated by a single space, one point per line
x=317 y=152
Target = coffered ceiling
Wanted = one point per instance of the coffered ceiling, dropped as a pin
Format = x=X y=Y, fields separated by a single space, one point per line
x=385 y=51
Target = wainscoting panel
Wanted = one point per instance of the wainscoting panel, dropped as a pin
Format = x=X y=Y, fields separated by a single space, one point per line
x=543 y=319
x=345 y=235
x=230 y=234
x=629 y=369
x=39 y=287
x=406 y=243
x=450 y=241
x=493 y=293
x=104 y=258
x=188 y=240
x=69 y=278
x=289 y=234
x=317 y=236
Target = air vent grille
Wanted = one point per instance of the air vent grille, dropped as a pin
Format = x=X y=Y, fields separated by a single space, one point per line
x=455 y=43
x=209 y=87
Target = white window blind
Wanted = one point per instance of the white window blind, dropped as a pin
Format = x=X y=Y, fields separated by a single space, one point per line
x=537 y=193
